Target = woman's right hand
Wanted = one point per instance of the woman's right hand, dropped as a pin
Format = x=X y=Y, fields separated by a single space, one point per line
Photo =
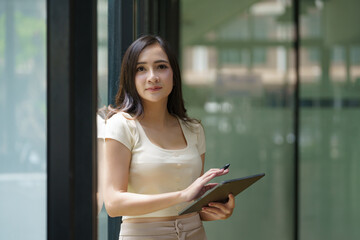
x=200 y=186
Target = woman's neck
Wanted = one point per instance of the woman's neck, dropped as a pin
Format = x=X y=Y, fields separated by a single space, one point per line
x=156 y=114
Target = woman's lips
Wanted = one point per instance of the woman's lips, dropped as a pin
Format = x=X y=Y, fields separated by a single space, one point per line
x=154 y=89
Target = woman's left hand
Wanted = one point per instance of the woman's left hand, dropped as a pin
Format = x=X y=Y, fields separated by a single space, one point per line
x=217 y=211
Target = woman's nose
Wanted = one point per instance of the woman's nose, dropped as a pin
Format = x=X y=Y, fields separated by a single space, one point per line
x=153 y=77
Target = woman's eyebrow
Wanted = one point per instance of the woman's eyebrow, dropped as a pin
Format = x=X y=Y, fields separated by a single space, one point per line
x=157 y=61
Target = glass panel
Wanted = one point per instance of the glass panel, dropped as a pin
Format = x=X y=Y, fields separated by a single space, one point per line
x=330 y=116
x=23 y=119
x=237 y=69
x=102 y=16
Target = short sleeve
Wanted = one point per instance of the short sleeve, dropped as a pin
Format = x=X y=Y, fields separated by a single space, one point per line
x=100 y=123
x=201 y=143
x=121 y=129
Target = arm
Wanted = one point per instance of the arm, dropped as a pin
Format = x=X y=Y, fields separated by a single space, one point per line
x=100 y=175
x=119 y=202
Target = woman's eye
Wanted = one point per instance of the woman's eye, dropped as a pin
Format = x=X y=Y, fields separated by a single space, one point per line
x=140 y=69
x=162 y=66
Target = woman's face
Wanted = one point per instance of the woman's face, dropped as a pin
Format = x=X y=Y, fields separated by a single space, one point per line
x=154 y=75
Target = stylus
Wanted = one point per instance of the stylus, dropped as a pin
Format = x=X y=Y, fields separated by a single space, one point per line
x=226 y=166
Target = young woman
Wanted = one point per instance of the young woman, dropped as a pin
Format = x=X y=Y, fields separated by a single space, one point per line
x=154 y=152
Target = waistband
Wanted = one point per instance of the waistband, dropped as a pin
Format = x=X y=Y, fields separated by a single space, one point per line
x=161 y=228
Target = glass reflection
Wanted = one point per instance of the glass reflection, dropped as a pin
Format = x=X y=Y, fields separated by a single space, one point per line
x=237 y=66
x=102 y=17
x=330 y=101
x=23 y=119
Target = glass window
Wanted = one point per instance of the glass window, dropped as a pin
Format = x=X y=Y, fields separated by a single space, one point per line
x=102 y=17
x=23 y=119
x=329 y=124
x=243 y=93
x=237 y=63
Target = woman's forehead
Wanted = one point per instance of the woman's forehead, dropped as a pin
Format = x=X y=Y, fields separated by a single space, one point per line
x=152 y=53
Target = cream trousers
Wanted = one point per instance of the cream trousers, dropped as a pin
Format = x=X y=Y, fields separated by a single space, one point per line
x=190 y=228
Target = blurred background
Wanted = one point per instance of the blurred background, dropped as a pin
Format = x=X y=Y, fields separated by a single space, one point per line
x=22 y=119
x=238 y=64
x=263 y=111
x=239 y=73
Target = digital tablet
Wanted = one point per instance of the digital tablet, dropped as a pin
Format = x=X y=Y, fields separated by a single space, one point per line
x=221 y=192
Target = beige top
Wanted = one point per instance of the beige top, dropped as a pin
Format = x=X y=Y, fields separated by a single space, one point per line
x=100 y=126
x=155 y=170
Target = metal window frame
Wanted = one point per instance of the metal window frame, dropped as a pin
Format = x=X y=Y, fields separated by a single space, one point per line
x=160 y=17
x=296 y=125
x=71 y=122
x=120 y=36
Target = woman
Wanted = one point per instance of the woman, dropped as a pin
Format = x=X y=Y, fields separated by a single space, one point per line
x=154 y=152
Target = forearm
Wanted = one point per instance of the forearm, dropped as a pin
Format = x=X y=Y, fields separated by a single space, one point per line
x=131 y=204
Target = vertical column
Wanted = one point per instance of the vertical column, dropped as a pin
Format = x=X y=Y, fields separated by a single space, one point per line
x=71 y=83
x=120 y=34
x=296 y=206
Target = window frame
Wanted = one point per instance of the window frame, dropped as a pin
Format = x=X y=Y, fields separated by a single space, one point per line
x=71 y=122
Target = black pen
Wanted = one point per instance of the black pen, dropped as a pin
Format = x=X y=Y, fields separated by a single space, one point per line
x=226 y=166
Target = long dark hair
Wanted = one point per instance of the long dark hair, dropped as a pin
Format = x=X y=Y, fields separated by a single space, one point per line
x=127 y=98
